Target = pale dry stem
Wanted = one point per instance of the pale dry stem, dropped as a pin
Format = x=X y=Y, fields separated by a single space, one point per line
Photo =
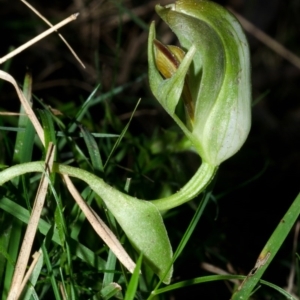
x=39 y=37
x=51 y=25
x=18 y=278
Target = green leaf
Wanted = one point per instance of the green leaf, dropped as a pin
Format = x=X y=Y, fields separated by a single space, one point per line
x=140 y=220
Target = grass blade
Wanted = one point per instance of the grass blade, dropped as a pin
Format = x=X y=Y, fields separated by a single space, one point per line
x=134 y=280
x=269 y=251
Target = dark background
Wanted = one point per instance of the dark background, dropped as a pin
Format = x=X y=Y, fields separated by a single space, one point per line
x=235 y=227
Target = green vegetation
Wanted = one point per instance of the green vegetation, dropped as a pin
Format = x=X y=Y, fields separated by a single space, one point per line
x=73 y=174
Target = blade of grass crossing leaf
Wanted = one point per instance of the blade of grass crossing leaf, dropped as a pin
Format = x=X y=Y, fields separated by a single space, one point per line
x=121 y=135
x=134 y=280
x=93 y=150
x=269 y=251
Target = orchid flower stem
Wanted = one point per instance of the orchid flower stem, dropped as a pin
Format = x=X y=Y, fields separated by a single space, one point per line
x=194 y=187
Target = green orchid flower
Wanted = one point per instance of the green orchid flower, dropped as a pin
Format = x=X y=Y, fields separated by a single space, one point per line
x=213 y=77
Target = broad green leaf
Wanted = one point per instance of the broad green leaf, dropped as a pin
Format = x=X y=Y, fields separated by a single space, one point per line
x=140 y=220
